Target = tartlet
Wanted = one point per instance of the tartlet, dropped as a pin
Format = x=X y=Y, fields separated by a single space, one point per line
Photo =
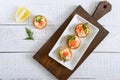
x=82 y=30
x=64 y=53
x=39 y=21
x=73 y=41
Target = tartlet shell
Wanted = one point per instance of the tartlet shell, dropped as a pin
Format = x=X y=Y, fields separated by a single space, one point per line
x=74 y=47
x=35 y=20
x=86 y=34
x=70 y=54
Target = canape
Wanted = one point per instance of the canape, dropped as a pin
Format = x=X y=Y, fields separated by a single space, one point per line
x=39 y=21
x=64 y=54
x=82 y=30
x=73 y=41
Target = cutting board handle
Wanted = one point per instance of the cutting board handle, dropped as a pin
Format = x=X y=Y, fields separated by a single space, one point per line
x=103 y=8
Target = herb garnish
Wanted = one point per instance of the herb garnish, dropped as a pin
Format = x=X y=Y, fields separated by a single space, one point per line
x=85 y=27
x=71 y=37
x=30 y=34
x=64 y=59
x=38 y=18
x=60 y=52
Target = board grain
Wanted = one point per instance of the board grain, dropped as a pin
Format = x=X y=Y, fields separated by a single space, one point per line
x=54 y=67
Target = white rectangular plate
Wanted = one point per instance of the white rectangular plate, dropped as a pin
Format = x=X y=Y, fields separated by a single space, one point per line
x=85 y=42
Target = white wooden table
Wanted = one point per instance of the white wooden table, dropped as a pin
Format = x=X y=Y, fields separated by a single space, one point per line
x=16 y=62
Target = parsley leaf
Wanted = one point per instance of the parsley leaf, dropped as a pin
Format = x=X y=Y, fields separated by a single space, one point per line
x=30 y=34
x=71 y=37
x=38 y=18
x=64 y=59
x=85 y=27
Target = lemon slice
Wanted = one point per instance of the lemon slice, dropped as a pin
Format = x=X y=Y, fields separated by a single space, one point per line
x=22 y=14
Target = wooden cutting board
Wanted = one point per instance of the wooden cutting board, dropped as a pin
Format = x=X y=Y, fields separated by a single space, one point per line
x=61 y=72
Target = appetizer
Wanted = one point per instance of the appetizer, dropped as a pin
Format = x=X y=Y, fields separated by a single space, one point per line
x=73 y=41
x=82 y=30
x=64 y=53
x=39 y=21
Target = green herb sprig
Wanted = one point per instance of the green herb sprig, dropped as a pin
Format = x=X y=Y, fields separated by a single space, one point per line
x=64 y=59
x=85 y=27
x=71 y=37
x=30 y=34
x=38 y=18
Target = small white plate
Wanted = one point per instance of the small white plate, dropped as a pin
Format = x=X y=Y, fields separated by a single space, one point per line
x=85 y=42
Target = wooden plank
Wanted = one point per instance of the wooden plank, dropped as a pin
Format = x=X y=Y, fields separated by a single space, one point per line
x=96 y=66
x=15 y=32
x=37 y=7
x=21 y=66
x=12 y=39
x=55 y=11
